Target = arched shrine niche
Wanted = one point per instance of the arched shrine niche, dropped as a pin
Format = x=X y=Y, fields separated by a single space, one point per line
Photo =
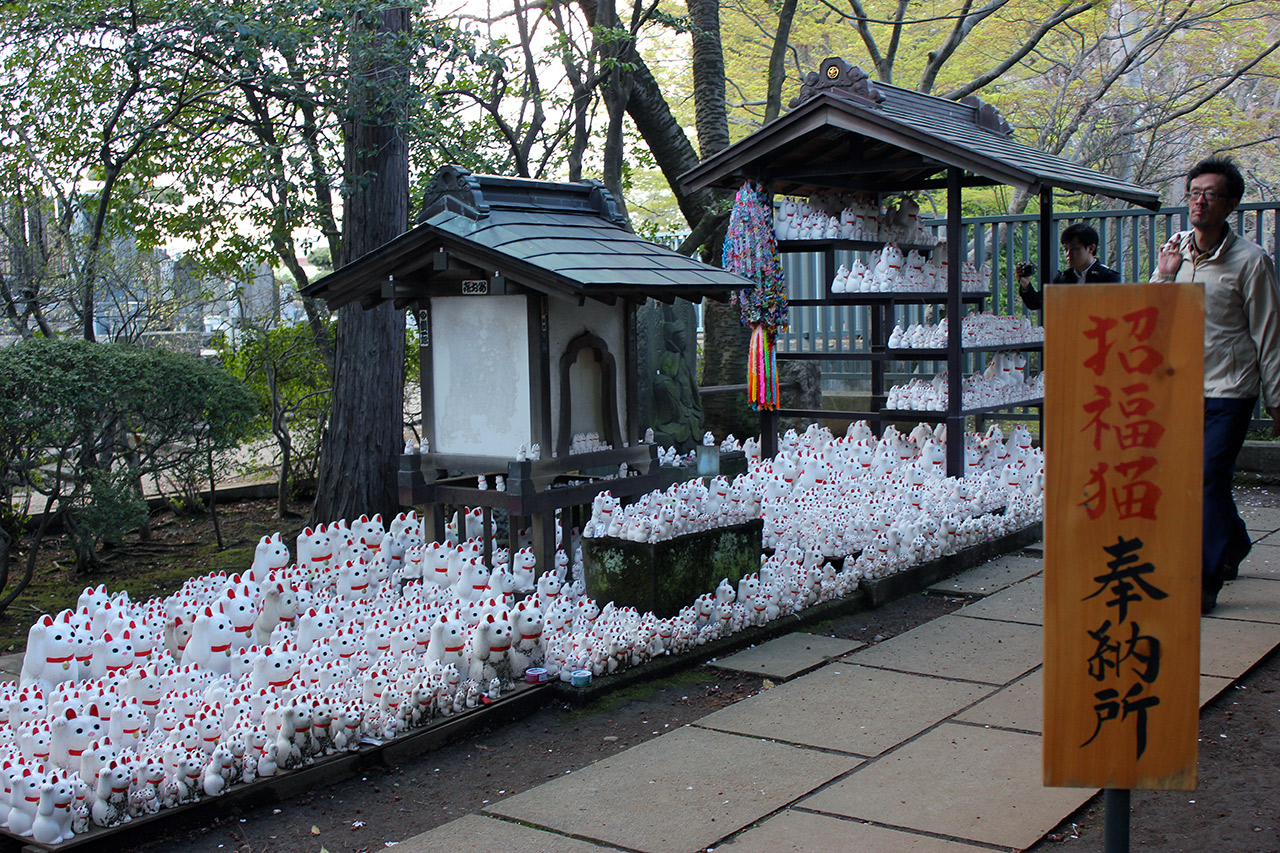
x=588 y=392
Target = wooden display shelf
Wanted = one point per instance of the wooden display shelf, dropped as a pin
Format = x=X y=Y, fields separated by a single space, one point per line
x=838 y=243
x=940 y=353
x=897 y=297
x=922 y=414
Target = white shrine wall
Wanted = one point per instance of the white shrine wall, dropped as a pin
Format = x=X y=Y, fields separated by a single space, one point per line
x=480 y=371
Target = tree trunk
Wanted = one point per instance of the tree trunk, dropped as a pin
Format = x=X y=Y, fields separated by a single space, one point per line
x=213 y=504
x=282 y=487
x=29 y=566
x=363 y=440
x=777 y=61
x=710 y=113
x=6 y=551
x=726 y=342
x=616 y=91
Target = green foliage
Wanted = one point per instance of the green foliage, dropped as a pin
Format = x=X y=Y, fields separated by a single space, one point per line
x=109 y=507
x=283 y=369
x=321 y=258
x=412 y=361
x=81 y=424
x=219 y=125
x=1128 y=88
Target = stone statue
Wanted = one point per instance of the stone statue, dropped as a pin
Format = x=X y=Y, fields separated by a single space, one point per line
x=675 y=406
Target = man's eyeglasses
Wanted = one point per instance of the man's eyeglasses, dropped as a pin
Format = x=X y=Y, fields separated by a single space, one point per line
x=1208 y=195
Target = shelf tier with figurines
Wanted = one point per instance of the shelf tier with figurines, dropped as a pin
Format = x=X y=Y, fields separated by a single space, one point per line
x=860 y=218
x=915 y=415
x=1003 y=384
x=933 y=416
x=837 y=244
x=889 y=298
x=981 y=332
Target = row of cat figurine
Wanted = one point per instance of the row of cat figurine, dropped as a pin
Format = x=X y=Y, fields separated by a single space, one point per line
x=978 y=390
x=689 y=507
x=976 y=330
x=844 y=497
x=888 y=270
x=856 y=217
x=300 y=656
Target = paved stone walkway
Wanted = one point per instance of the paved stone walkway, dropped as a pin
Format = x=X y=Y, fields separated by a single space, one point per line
x=928 y=742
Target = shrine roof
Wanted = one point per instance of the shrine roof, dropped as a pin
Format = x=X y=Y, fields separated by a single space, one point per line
x=847 y=132
x=568 y=239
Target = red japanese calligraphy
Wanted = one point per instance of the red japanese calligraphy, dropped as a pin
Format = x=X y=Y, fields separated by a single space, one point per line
x=1133 y=498
x=1123 y=412
x=1141 y=358
x=1137 y=431
x=1098 y=361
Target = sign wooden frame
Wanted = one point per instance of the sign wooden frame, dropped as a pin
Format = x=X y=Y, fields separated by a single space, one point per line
x=1124 y=424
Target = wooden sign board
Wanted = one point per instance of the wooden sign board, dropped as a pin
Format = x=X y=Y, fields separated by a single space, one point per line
x=1124 y=423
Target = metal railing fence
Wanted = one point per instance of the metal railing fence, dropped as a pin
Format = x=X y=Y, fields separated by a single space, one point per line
x=1129 y=241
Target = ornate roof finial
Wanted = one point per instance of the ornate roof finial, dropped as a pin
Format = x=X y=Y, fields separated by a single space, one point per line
x=456 y=184
x=988 y=116
x=835 y=76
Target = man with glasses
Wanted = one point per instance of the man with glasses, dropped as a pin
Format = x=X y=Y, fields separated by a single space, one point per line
x=1080 y=246
x=1241 y=350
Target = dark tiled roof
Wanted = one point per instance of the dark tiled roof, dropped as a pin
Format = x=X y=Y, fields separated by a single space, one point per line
x=854 y=134
x=551 y=237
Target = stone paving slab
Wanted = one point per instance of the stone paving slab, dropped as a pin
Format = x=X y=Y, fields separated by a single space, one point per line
x=847 y=708
x=1252 y=599
x=1021 y=704
x=1022 y=602
x=799 y=831
x=1261 y=518
x=957 y=647
x=1264 y=560
x=1018 y=706
x=683 y=791
x=481 y=832
x=984 y=785
x=787 y=656
x=1210 y=687
x=11 y=667
x=1229 y=647
x=990 y=576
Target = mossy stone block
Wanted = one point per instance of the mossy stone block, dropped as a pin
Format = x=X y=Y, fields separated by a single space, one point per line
x=666 y=576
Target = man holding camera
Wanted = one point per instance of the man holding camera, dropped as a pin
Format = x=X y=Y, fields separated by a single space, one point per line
x=1080 y=246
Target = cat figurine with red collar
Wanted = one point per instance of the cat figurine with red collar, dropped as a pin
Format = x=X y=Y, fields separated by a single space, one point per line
x=110 y=806
x=52 y=822
x=50 y=656
x=212 y=636
x=70 y=734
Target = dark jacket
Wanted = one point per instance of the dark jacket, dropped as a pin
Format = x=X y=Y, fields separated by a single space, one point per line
x=1096 y=274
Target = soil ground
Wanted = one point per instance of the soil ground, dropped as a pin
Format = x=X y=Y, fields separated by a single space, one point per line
x=1236 y=808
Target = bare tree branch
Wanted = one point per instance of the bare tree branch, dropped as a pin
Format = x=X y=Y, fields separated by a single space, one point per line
x=1058 y=18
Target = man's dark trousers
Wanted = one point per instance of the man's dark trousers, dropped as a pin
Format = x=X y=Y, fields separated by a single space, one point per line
x=1226 y=421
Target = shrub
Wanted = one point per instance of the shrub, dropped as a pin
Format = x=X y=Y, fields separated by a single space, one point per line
x=81 y=424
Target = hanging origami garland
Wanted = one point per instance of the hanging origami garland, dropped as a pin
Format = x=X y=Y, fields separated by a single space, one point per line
x=751 y=250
